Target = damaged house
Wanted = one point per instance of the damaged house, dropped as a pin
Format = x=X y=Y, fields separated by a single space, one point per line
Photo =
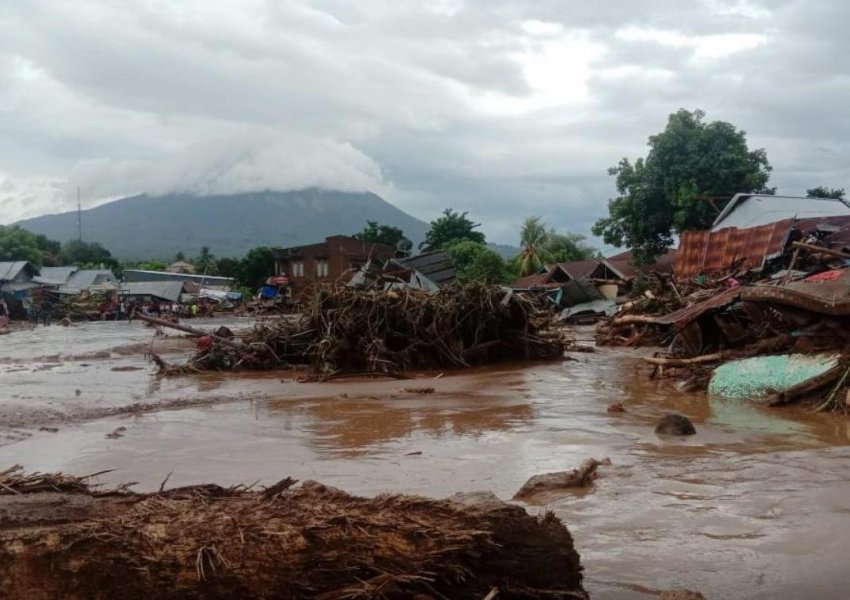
x=334 y=260
x=429 y=271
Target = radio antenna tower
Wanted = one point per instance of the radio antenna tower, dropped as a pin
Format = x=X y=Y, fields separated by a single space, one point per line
x=79 y=217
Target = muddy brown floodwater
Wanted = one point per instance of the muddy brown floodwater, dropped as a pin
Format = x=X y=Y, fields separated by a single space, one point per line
x=756 y=505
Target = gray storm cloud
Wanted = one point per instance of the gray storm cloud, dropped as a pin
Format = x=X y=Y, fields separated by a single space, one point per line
x=503 y=108
x=236 y=164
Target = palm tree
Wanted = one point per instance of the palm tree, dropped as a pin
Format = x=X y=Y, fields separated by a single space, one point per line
x=206 y=262
x=533 y=240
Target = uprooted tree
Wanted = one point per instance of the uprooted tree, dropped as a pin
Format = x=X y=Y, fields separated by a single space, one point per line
x=668 y=192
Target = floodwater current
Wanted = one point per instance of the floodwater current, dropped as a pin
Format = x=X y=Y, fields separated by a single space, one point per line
x=756 y=505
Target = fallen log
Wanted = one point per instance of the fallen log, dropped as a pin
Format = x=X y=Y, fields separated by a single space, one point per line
x=662 y=361
x=819 y=250
x=634 y=320
x=178 y=327
x=285 y=542
x=806 y=387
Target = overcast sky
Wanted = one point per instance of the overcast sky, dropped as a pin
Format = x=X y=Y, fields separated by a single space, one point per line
x=503 y=108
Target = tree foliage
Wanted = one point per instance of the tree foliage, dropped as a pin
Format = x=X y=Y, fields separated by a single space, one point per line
x=87 y=255
x=250 y=271
x=205 y=262
x=17 y=243
x=542 y=246
x=476 y=262
x=665 y=193
x=374 y=233
x=449 y=228
x=825 y=192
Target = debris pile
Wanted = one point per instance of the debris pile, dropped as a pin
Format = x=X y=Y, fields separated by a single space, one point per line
x=346 y=330
x=309 y=541
x=793 y=301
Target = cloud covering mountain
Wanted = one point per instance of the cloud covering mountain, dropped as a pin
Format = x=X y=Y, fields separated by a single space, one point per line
x=502 y=108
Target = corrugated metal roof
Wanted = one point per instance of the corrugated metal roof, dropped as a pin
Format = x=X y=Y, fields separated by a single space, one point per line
x=536 y=281
x=580 y=268
x=437 y=266
x=10 y=269
x=754 y=210
x=707 y=252
x=164 y=290
x=55 y=275
x=85 y=278
x=138 y=275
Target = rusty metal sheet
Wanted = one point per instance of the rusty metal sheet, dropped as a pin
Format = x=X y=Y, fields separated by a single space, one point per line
x=704 y=252
x=684 y=316
x=831 y=297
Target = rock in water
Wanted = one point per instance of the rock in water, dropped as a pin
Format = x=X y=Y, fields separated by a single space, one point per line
x=547 y=482
x=673 y=424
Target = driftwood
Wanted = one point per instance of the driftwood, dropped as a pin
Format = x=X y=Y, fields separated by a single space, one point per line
x=345 y=330
x=819 y=250
x=662 y=361
x=547 y=482
x=178 y=327
x=634 y=320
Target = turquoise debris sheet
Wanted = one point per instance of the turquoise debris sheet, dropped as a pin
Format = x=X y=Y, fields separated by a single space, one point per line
x=757 y=377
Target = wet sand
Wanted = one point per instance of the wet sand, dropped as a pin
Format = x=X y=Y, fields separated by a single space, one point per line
x=753 y=506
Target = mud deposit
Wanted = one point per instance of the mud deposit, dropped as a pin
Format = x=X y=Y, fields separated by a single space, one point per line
x=755 y=505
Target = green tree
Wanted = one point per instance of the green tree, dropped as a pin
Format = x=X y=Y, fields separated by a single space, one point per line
x=50 y=250
x=152 y=265
x=533 y=239
x=476 y=262
x=542 y=246
x=374 y=233
x=205 y=263
x=87 y=255
x=825 y=192
x=449 y=228
x=666 y=193
x=180 y=256
x=256 y=267
x=17 y=243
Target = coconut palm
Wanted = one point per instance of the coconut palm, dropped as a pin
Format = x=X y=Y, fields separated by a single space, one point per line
x=533 y=240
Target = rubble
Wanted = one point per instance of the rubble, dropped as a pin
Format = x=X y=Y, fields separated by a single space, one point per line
x=287 y=541
x=347 y=330
x=781 y=289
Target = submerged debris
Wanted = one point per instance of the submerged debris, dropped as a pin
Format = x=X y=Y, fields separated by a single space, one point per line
x=547 y=482
x=304 y=542
x=673 y=424
x=346 y=330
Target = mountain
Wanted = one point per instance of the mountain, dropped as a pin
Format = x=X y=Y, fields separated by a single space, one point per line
x=157 y=227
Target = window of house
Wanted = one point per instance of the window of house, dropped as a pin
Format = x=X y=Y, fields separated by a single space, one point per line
x=297 y=269
x=321 y=268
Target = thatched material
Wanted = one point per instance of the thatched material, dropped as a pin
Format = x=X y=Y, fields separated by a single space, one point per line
x=308 y=542
x=345 y=330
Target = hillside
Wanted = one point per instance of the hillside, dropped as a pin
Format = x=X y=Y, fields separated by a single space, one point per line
x=143 y=227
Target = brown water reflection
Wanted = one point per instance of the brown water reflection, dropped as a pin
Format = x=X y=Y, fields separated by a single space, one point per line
x=353 y=426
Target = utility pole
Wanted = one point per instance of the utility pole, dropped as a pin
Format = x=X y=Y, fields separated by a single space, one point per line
x=79 y=217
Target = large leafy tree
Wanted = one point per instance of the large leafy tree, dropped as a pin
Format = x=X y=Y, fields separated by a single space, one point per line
x=451 y=227
x=87 y=255
x=256 y=267
x=17 y=243
x=825 y=192
x=476 y=262
x=668 y=192
x=374 y=233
